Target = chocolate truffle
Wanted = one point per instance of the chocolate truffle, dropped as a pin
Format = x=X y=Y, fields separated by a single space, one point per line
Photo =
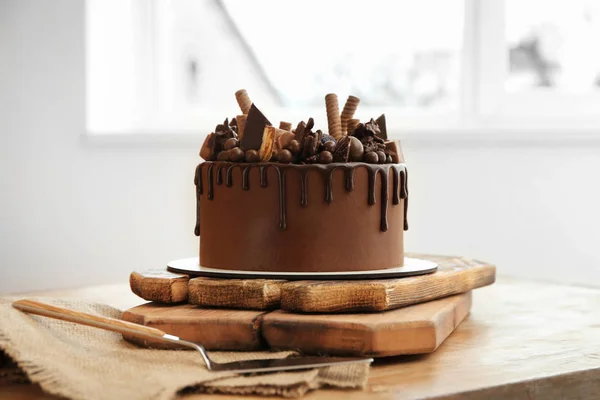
x=356 y=149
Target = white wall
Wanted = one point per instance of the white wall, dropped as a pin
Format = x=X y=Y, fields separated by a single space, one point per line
x=74 y=213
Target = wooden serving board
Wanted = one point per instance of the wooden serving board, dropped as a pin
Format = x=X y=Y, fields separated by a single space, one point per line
x=455 y=275
x=214 y=329
x=416 y=329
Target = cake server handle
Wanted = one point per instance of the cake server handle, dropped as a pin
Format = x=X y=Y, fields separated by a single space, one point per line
x=96 y=321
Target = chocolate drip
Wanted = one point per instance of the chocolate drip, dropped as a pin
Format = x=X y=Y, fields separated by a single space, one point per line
x=282 y=201
x=209 y=178
x=384 y=199
x=372 y=175
x=349 y=172
x=399 y=189
x=329 y=186
x=197 y=182
x=405 y=187
x=303 y=189
x=403 y=184
x=263 y=176
x=245 y=183
x=228 y=177
x=396 y=186
x=220 y=175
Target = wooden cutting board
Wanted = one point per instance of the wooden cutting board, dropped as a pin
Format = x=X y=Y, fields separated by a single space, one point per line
x=455 y=275
x=415 y=329
x=214 y=329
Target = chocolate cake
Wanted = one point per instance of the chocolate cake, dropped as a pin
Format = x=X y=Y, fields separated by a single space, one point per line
x=300 y=200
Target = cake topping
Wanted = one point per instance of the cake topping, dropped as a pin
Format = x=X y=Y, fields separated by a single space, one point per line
x=382 y=127
x=348 y=140
x=348 y=112
x=286 y=126
x=243 y=101
x=254 y=130
x=333 y=115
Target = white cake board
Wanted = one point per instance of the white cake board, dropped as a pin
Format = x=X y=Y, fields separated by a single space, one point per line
x=411 y=267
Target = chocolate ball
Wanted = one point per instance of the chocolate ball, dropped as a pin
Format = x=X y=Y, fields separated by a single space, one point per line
x=329 y=146
x=252 y=156
x=223 y=156
x=325 y=157
x=371 y=157
x=294 y=147
x=236 y=154
x=274 y=155
x=284 y=156
x=231 y=143
x=381 y=156
x=357 y=150
x=388 y=159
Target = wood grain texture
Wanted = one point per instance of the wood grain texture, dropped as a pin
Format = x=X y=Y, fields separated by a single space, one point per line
x=78 y=317
x=455 y=275
x=416 y=329
x=253 y=294
x=214 y=329
x=522 y=340
x=159 y=285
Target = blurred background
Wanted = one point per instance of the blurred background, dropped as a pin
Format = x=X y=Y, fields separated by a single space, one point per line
x=104 y=105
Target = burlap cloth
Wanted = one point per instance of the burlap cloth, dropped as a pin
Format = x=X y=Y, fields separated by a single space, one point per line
x=80 y=362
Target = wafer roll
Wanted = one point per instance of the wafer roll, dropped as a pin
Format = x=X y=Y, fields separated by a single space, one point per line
x=348 y=112
x=352 y=124
x=241 y=123
x=286 y=126
x=333 y=115
x=243 y=100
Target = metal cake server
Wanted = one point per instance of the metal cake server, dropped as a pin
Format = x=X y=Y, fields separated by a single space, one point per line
x=146 y=332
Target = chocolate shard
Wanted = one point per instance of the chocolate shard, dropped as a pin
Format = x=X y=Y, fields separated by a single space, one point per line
x=311 y=145
x=382 y=127
x=299 y=132
x=253 y=131
x=342 y=150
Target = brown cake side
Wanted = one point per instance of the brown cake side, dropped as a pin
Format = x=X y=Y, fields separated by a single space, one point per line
x=301 y=218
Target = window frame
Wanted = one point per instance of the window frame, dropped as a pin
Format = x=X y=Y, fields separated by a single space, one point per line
x=485 y=111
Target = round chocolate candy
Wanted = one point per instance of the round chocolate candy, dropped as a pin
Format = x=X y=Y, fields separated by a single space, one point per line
x=356 y=149
x=236 y=154
x=329 y=146
x=284 y=156
x=381 y=156
x=371 y=157
x=223 y=156
x=388 y=159
x=231 y=143
x=325 y=157
x=252 y=156
x=294 y=147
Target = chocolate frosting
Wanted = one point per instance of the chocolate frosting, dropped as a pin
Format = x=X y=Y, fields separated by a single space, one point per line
x=398 y=171
x=289 y=217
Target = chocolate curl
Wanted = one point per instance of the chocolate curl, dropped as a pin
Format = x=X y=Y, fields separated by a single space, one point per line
x=348 y=112
x=243 y=100
x=352 y=124
x=286 y=126
x=241 y=124
x=333 y=115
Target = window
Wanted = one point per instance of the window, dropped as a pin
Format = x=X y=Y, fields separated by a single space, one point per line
x=173 y=65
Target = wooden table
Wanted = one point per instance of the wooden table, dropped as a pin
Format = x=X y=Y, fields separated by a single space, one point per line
x=522 y=340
